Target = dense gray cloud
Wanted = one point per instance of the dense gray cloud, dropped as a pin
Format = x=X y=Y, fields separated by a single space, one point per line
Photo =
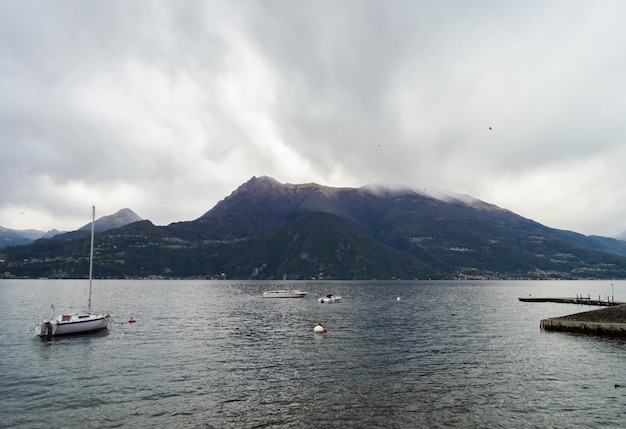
x=166 y=107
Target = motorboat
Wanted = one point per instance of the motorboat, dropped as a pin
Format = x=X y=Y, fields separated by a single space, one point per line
x=295 y=293
x=329 y=299
x=78 y=323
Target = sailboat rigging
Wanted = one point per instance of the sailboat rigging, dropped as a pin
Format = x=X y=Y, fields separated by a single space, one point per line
x=83 y=322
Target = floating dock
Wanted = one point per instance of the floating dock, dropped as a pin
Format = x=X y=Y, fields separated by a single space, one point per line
x=581 y=300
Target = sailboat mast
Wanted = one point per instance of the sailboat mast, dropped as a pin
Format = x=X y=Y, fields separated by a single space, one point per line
x=93 y=221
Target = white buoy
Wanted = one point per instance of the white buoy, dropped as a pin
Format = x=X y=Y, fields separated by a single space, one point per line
x=398 y=299
x=319 y=329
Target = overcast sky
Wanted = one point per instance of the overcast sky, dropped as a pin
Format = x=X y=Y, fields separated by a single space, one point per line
x=166 y=107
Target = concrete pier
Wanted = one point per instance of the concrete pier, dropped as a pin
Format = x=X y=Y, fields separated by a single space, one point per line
x=609 y=321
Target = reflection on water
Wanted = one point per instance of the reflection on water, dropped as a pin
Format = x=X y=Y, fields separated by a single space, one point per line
x=215 y=354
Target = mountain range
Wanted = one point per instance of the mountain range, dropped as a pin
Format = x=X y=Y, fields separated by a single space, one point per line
x=270 y=230
x=16 y=237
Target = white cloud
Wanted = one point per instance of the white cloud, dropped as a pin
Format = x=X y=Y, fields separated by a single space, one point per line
x=166 y=108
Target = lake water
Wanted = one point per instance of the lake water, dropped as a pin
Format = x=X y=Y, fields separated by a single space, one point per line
x=214 y=354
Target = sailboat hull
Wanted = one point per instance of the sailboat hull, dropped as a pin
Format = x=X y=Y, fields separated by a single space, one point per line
x=74 y=324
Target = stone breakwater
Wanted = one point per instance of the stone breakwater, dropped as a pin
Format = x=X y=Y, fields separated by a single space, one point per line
x=609 y=321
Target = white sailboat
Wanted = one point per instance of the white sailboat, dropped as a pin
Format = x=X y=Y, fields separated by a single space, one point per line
x=83 y=322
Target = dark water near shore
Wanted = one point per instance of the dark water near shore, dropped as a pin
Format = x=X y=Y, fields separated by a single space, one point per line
x=217 y=355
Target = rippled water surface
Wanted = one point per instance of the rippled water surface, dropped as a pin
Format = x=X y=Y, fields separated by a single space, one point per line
x=217 y=355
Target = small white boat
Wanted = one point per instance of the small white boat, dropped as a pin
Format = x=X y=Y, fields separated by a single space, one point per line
x=78 y=323
x=284 y=294
x=329 y=299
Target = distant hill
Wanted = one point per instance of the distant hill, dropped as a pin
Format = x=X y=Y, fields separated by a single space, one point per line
x=118 y=219
x=15 y=237
x=51 y=233
x=9 y=237
x=269 y=230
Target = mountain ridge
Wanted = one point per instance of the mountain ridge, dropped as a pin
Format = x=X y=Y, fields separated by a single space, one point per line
x=12 y=237
x=268 y=230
